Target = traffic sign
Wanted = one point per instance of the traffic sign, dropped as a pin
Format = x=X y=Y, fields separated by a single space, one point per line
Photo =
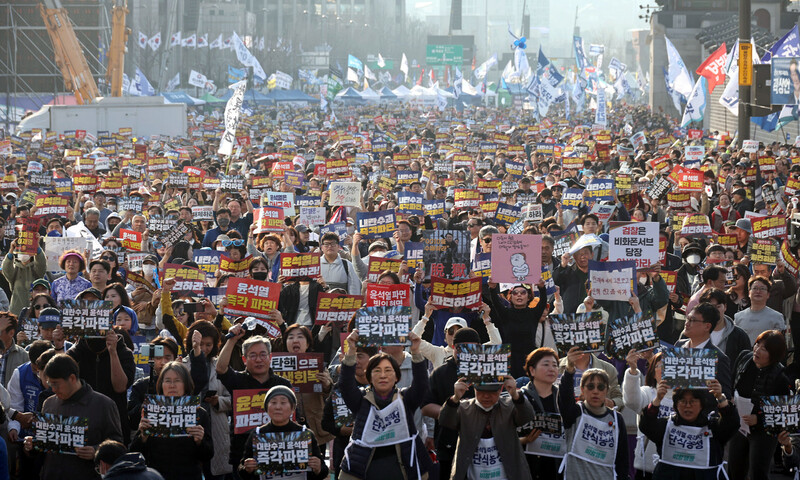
x=745 y=64
x=444 y=55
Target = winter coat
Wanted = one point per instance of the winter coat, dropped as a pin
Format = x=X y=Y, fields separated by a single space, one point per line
x=20 y=278
x=131 y=466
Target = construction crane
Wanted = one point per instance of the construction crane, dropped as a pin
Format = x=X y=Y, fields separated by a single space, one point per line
x=116 y=51
x=68 y=52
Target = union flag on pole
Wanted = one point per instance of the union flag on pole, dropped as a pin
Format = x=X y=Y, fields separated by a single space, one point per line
x=713 y=68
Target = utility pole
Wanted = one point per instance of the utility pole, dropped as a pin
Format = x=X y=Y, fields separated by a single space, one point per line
x=744 y=91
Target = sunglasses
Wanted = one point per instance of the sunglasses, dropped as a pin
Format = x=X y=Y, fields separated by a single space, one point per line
x=109 y=258
x=39 y=307
x=236 y=243
x=487 y=240
x=599 y=386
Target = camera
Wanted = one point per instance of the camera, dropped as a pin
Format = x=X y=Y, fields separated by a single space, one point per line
x=152 y=351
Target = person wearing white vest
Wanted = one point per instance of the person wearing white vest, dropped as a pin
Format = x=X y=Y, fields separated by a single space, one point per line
x=597 y=439
x=689 y=444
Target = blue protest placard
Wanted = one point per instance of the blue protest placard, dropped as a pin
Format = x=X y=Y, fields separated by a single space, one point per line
x=381 y=224
x=600 y=189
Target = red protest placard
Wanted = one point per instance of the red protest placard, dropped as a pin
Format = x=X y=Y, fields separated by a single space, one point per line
x=769 y=227
x=269 y=219
x=387 y=295
x=197 y=172
x=300 y=265
x=302 y=369
x=253 y=298
x=337 y=309
x=670 y=278
x=690 y=181
x=51 y=206
x=131 y=240
x=456 y=293
x=27 y=235
x=248 y=410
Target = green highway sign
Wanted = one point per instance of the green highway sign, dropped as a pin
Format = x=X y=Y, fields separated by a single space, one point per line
x=444 y=55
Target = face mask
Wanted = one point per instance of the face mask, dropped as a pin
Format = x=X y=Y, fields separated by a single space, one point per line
x=484 y=408
x=220 y=248
x=694 y=203
x=351 y=230
x=223 y=222
x=642 y=280
x=148 y=269
x=546 y=202
x=448 y=205
x=23 y=257
x=260 y=276
x=54 y=233
x=693 y=259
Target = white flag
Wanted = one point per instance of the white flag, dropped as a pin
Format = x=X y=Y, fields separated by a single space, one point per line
x=174 y=82
x=483 y=69
x=175 y=39
x=368 y=73
x=190 y=41
x=247 y=58
x=600 y=116
x=217 y=43
x=381 y=62
x=352 y=76
x=730 y=96
x=155 y=41
x=696 y=103
x=202 y=41
x=232 y=110
x=404 y=66
x=679 y=77
x=142 y=40
x=467 y=88
x=197 y=79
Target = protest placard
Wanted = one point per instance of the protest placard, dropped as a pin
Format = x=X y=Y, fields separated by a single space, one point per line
x=280 y=454
x=138 y=280
x=689 y=367
x=582 y=330
x=130 y=204
x=779 y=413
x=633 y=332
x=49 y=206
x=789 y=260
x=248 y=409
x=636 y=241
x=252 y=297
x=466 y=199
x=131 y=240
x=695 y=225
x=550 y=424
x=284 y=200
x=446 y=253
x=770 y=226
x=516 y=258
x=482 y=265
x=378 y=326
x=159 y=225
x=690 y=180
x=571 y=198
x=378 y=265
x=54 y=433
x=455 y=294
x=86 y=318
x=342 y=416
x=207 y=260
x=380 y=224
x=201 y=213
x=302 y=369
x=763 y=250
x=600 y=189
x=311 y=216
x=54 y=247
x=694 y=153
x=507 y=214
x=612 y=280
x=27 y=235
x=336 y=308
x=659 y=188
x=347 y=194
x=231 y=184
x=482 y=364
x=296 y=266
x=377 y=295
x=679 y=200
x=269 y=219
x=433 y=208
x=410 y=203
x=407 y=177
x=170 y=416
x=187 y=279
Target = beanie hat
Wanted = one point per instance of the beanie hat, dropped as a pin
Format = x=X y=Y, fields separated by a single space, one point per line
x=280 y=390
x=466 y=335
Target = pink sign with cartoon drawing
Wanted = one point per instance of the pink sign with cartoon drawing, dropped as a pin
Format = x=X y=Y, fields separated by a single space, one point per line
x=516 y=258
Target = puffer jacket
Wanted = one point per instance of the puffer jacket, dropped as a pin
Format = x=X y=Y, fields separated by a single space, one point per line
x=20 y=278
x=131 y=466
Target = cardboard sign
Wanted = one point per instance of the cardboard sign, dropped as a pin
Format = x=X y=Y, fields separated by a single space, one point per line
x=612 y=280
x=446 y=253
x=302 y=369
x=387 y=295
x=694 y=153
x=482 y=364
x=690 y=181
x=188 y=279
x=170 y=416
x=311 y=216
x=86 y=318
x=248 y=410
x=516 y=258
x=252 y=297
x=695 y=225
x=532 y=212
x=54 y=433
x=336 y=309
x=689 y=367
x=456 y=294
x=378 y=326
x=380 y=224
x=378 y=265
x=626 y=333
x=131 y=240
x=269 y=219
x=203 y=213
x=636 y=241
x=282 y=453
x=779 y=413
x=750 y=146
x=300 y=265
x=582 y=330
x=284 y=200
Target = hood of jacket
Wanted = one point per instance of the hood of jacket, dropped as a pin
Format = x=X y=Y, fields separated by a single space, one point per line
x=111 y=215
x=126 y=464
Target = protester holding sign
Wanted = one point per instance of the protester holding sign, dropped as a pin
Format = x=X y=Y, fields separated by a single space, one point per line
x=180 y=456
x=280 y=404
x=700 y=322
x=384 y=417
x=21 y=270
x=757 y=373
x=488 y=446
x=689 y=443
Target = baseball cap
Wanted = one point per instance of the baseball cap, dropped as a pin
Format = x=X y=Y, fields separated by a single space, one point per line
x=40 y=282
x=460 y=321
x=745 y=224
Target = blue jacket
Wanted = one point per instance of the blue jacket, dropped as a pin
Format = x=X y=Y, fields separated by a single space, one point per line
x=212 y=235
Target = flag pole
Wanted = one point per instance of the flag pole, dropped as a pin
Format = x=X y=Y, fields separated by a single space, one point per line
x=744 y=91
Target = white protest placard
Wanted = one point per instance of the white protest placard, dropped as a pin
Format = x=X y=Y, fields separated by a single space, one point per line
x=532 y=212
x=312 y=216
x=695 y=153
x=55 y=246
x=637 y=241
x=347 y=194
x=136 y=260
x=750 y=146
x=612 y=280
x=284 y=200
x=203 y=213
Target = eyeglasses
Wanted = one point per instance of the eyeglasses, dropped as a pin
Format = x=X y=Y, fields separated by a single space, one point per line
x=236 y=243
x=470 y=225
x=330 y=244
x=258 y=356
x=487 y=240
x=519 y=292
x=599 y=386
x=693 y=320
x=453 y=330
x=759 y=289
x=688 y=401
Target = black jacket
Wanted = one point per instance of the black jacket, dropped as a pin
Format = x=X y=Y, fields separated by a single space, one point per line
x=131 y=466
x=766 y=381
x=178 y=458
x=570 y=281
x=290 y=300
x=289 y=427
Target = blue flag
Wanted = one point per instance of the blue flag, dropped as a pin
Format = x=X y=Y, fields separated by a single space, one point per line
x=788 y=46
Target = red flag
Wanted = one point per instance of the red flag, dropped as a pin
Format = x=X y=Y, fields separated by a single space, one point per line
x=433 y=76
x=713 y=68
x=421 y=74
x=473 y=63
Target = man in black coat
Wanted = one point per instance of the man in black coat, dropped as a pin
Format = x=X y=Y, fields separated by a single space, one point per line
x=114 y=462
x=700 y=322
